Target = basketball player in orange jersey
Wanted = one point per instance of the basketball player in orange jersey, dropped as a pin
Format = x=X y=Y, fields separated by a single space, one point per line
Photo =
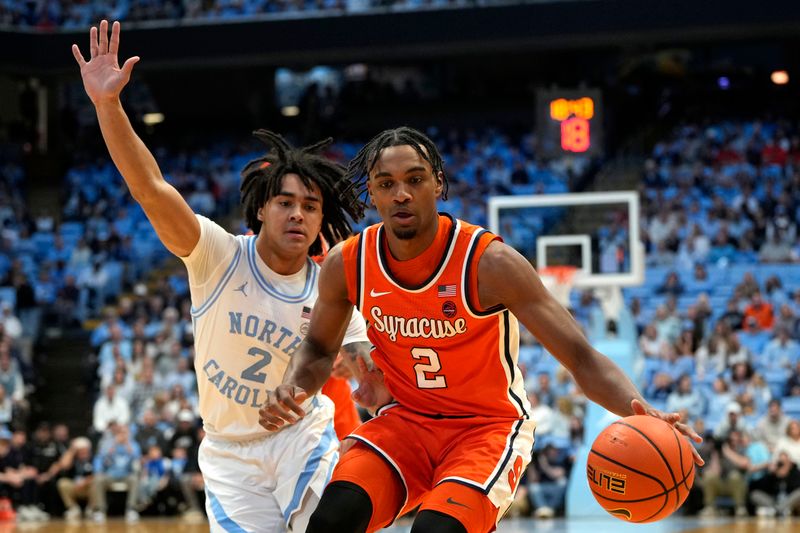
x=442 y=298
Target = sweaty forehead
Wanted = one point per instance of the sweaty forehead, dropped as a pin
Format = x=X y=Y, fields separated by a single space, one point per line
x=394 y=159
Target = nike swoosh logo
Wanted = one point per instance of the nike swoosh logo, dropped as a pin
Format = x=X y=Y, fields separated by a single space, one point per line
x=621 y=512
x=451 y=501
x=376 y=294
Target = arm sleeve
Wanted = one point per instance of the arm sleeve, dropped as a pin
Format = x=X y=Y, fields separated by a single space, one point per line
x=209 y=260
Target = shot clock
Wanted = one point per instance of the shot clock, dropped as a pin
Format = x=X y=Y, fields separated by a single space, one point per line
x=569 y=121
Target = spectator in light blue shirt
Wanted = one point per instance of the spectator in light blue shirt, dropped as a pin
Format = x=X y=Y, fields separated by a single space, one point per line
x=117 y=461
x=685 y=397
x=117 y=339
x=781 y=352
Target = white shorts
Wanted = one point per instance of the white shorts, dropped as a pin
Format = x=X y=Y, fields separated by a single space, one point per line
x=260 y=485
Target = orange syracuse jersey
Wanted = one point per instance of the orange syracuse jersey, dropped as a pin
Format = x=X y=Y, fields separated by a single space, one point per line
x=440 y=354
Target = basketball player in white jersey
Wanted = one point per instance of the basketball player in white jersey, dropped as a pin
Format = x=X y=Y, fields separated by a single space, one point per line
x=252 y=298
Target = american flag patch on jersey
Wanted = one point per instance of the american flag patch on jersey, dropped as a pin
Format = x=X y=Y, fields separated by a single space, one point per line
x=446 y=291
x=306 y=312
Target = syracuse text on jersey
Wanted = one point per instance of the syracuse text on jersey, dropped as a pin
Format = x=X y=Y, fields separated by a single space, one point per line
x=416 y=327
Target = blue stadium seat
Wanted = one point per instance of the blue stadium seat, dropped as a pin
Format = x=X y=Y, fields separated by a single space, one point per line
x=114 y=269
x=530 y=355
x=791 y=406
x=43 y=243
x=776 y=381
x=755 y=342
x=9 y=295
x=72 y=229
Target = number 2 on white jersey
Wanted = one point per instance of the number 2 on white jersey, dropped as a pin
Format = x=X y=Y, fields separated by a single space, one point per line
x=253 y=372
x=430 y=366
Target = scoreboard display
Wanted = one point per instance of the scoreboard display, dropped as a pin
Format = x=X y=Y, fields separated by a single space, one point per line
x=569 y=121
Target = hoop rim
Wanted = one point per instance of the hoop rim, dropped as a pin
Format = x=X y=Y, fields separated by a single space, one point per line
x=563 y=274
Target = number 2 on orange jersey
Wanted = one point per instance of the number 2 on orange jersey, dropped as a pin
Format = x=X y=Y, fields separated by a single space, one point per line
x=431 y=366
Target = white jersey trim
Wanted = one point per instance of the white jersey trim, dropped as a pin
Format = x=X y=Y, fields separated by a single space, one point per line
x=310 y=469
x=361 y=263
x=465 y=288
x=508 y=351
x=311 y=276
x=220 y=285
x=434 y=278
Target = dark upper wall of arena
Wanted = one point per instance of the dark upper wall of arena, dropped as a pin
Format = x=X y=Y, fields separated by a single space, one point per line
x=421 y=34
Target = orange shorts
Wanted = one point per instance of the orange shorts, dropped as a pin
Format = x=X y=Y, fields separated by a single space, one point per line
x=467 y=468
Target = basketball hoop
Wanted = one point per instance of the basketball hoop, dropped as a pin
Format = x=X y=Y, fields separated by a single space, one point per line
x=559 y=280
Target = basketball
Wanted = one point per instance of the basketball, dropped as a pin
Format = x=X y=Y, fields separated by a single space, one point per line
x=640 y=469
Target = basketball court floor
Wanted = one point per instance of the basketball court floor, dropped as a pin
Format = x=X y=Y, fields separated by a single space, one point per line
x=600 y=525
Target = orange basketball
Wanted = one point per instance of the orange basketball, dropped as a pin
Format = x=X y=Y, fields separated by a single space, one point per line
x=640 y=469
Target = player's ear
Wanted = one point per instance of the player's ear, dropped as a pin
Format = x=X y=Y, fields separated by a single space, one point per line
x=369 y=192
x=260 y=214
x=439 y=183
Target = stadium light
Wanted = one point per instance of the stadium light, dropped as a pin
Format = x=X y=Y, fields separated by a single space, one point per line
x=724 y=83
x=779 y=77
x=290 y=111
x=151 y=119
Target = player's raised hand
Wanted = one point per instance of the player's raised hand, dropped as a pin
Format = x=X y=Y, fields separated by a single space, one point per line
x=674 y=419
x=282 y=407
x=102 y=76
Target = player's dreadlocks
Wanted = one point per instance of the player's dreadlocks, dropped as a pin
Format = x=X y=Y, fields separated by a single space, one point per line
x=359 y=168
x=262 y=179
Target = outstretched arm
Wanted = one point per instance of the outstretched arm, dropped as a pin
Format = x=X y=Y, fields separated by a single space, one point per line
x=505 y=277
x=103 y=79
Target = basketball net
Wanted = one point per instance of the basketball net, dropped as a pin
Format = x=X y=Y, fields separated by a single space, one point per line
x=559 y=280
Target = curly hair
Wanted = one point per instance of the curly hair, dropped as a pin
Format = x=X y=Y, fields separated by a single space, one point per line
x=262 y=179
x=359 y=168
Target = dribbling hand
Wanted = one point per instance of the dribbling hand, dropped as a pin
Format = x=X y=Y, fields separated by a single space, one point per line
x=102 y=76
x=282 y=407
x=674 y=419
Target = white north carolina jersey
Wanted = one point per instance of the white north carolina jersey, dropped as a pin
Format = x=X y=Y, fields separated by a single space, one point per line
x=248 y=322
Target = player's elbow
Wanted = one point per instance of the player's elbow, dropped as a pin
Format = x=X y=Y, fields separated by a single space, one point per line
x=147 y=193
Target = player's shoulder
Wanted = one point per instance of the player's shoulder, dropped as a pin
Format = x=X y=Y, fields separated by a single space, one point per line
x=347 y=249
x=468 y=227
x=214 y=241
x=497 y=258
x=474 y=235
x=335 y=257
x=211 y=230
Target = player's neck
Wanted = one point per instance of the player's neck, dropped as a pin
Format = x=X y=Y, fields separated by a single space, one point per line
x=405 y=249
x=279 y=261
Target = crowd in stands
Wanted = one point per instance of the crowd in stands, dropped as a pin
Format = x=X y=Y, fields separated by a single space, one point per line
x=717 y=324
x=724 y=192
x=61 y=274
x=55 y=473
x=44 y=15
x=717 y=321
x=93 y=263
x=719 y=341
